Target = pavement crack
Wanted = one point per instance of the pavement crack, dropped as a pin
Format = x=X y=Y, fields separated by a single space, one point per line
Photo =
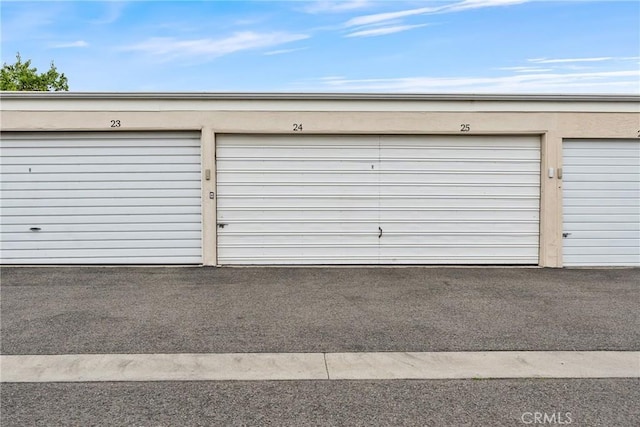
x=326 y=367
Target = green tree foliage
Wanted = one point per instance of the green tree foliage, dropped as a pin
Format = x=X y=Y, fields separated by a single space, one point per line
x=22 y=77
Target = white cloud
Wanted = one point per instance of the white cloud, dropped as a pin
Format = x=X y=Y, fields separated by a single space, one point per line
x=78 y=43
x=335 y=6
x=388 y=16
x=170 y=47
x=569 y=60
x=526 y=69
x=624 y=81
x=283 y=51
x=112 y=12
x=383 y=30
x=476 y=4
x=450 y=7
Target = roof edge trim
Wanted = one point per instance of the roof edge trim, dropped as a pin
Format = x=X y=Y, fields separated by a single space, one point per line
x=317 y=96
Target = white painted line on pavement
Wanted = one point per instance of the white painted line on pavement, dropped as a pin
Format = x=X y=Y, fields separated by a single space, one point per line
x=319 y=366
x=490 y=364
x=163 y=367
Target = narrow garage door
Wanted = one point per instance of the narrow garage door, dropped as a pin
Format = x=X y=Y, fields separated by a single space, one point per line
x=601 y=202
x=378 y=199
x=101 y=198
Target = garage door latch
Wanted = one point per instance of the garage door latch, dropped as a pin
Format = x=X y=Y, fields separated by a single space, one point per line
x=565 y=235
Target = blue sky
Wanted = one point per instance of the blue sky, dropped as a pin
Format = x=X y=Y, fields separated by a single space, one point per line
x=453 y=46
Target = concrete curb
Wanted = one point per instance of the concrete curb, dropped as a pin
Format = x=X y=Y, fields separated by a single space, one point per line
x=319 y=366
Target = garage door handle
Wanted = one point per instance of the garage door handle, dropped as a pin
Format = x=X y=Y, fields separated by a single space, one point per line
x=380 y=234
x=221 y=225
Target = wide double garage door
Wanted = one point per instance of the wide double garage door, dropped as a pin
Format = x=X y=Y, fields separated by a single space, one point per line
x=378 y=199
x=101 y=198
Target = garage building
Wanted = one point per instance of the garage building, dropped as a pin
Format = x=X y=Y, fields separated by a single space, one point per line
x=320 y=179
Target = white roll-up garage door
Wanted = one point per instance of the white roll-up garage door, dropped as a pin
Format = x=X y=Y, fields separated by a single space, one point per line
x=601 y=203
x=378 y=199
x=101 y=198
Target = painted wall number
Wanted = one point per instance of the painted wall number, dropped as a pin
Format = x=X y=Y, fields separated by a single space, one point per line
x=115 y=123
x=465 y=127
x=297 y=127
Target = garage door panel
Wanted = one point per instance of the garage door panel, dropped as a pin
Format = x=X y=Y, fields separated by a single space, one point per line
x=278 y=141
x=613 y=147
x=242 y=165
x=460 y=215
x=75 y=235
x=410 y=184
x=570 y=202
x=283 y=238
x=300 y=214
x=466 y=166
x=601 y=195
x=512 y=142
x=630 y=167
x=86 y=202
x=303 y=153
x=602 y=225
x=41 y=211
x=298 y=190
x=259 y=227
x=395 y=239
x=605 y=249
x=603 y=210
x=581 y=244
x=337 y=259
x=614 y=150
x=605 y=180
x=603 y=161
x=74 y=226
x=601 y=202
x=159 y=219
x=104 y=259
x=37 y=246
x=104 y=160
x=488 y=153
x=305 y=202
x=77 y=198
x=101 y=168
x=286 y=178
x=323 y=254
x=167 y=177
x=457 y=260
x=453 y=226
x=90 y=151
x=614 y=184
x=68 y=256
x=610 y=218
x=100 y=185
x=102 y=194
x=389 y=192
x=510 y=172
x=460 y=250
x=455 y=202
x=457 y=179
x=615 y=260
x=114 y=139
x=599 y=234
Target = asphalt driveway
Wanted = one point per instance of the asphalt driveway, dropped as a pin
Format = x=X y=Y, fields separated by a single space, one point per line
x=72 y=310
